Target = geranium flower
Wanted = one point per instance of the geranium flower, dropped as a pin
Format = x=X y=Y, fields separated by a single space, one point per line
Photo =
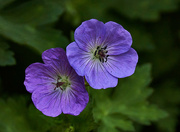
x=55 y=86
x=102 y=53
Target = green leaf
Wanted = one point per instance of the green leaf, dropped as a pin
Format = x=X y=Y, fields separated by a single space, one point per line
x=15 y=116
x=35 y=12
x=6 y=56
x=12 y=116
x=105 y=128
x=40 y=39
x=127 y=103
x=83 y=122
x=134 y=89
x=38 y=121
x=145 y=9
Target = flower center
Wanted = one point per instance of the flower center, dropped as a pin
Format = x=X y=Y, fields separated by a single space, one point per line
x=62 y=83
x=101 y=54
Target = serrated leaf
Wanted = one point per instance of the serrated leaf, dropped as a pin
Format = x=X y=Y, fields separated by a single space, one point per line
x=134 y=88
x=128 y=100
x=40 y=39
x=34 y=12
x=83 y=122
x=113 y=122
x=6 y=56
x=144 y=113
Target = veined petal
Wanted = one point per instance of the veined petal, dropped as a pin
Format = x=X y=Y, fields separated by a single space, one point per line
x=122 y=65
x=90 y=34
x=98 y=77
x=48 y=101
x=77 y=81
x=78 y=58
x=74 y=101
x=38 y=75
x=61 y=67
x=53 y=53
x=118 y=40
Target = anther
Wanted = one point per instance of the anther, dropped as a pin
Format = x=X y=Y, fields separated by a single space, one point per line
x=102 y=60
x=104 y=47
x=106 y=59
x=95 y=53
x=99 y=58
x=97 y=47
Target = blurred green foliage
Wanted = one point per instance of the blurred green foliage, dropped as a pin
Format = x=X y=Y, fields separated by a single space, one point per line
x=144 y=102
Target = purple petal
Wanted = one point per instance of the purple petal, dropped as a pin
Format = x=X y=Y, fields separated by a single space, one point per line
x=122 y=65
x=76 y=80
x=78 y=58
x=38 y=75
x=61 y=67
x=53 y=53
x=48 y=101
x=90 y=34
x=74 y=100
x=98 y=77
x=118 y=40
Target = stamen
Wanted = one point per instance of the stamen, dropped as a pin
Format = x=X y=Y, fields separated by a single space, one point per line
x=106 y=59
x=99 y=58
x=95 y=53
x=101 y=54
x=102 y=60
x=104 y=47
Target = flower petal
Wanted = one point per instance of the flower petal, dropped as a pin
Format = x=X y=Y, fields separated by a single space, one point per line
x=74 y=100
x=118 y=40
x=98 y=77
x=78 y=58
x=53 y=53
x=38 y=75
x=61 y=67
x=122 y=65
x=90 y=34
x=75 y=97
x=48 y=101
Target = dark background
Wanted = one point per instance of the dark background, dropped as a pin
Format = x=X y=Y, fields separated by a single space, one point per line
x=28 y=27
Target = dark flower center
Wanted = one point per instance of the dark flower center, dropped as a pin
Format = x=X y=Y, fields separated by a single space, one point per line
x=62 y=83
x=101 y=54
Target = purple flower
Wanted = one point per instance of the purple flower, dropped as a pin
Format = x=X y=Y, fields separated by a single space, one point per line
x=55 y=86
x=102 y=53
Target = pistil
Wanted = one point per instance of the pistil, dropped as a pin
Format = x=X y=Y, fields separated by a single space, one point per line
x=101 y=54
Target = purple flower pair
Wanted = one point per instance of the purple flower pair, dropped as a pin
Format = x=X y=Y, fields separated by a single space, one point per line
x=101 y=52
